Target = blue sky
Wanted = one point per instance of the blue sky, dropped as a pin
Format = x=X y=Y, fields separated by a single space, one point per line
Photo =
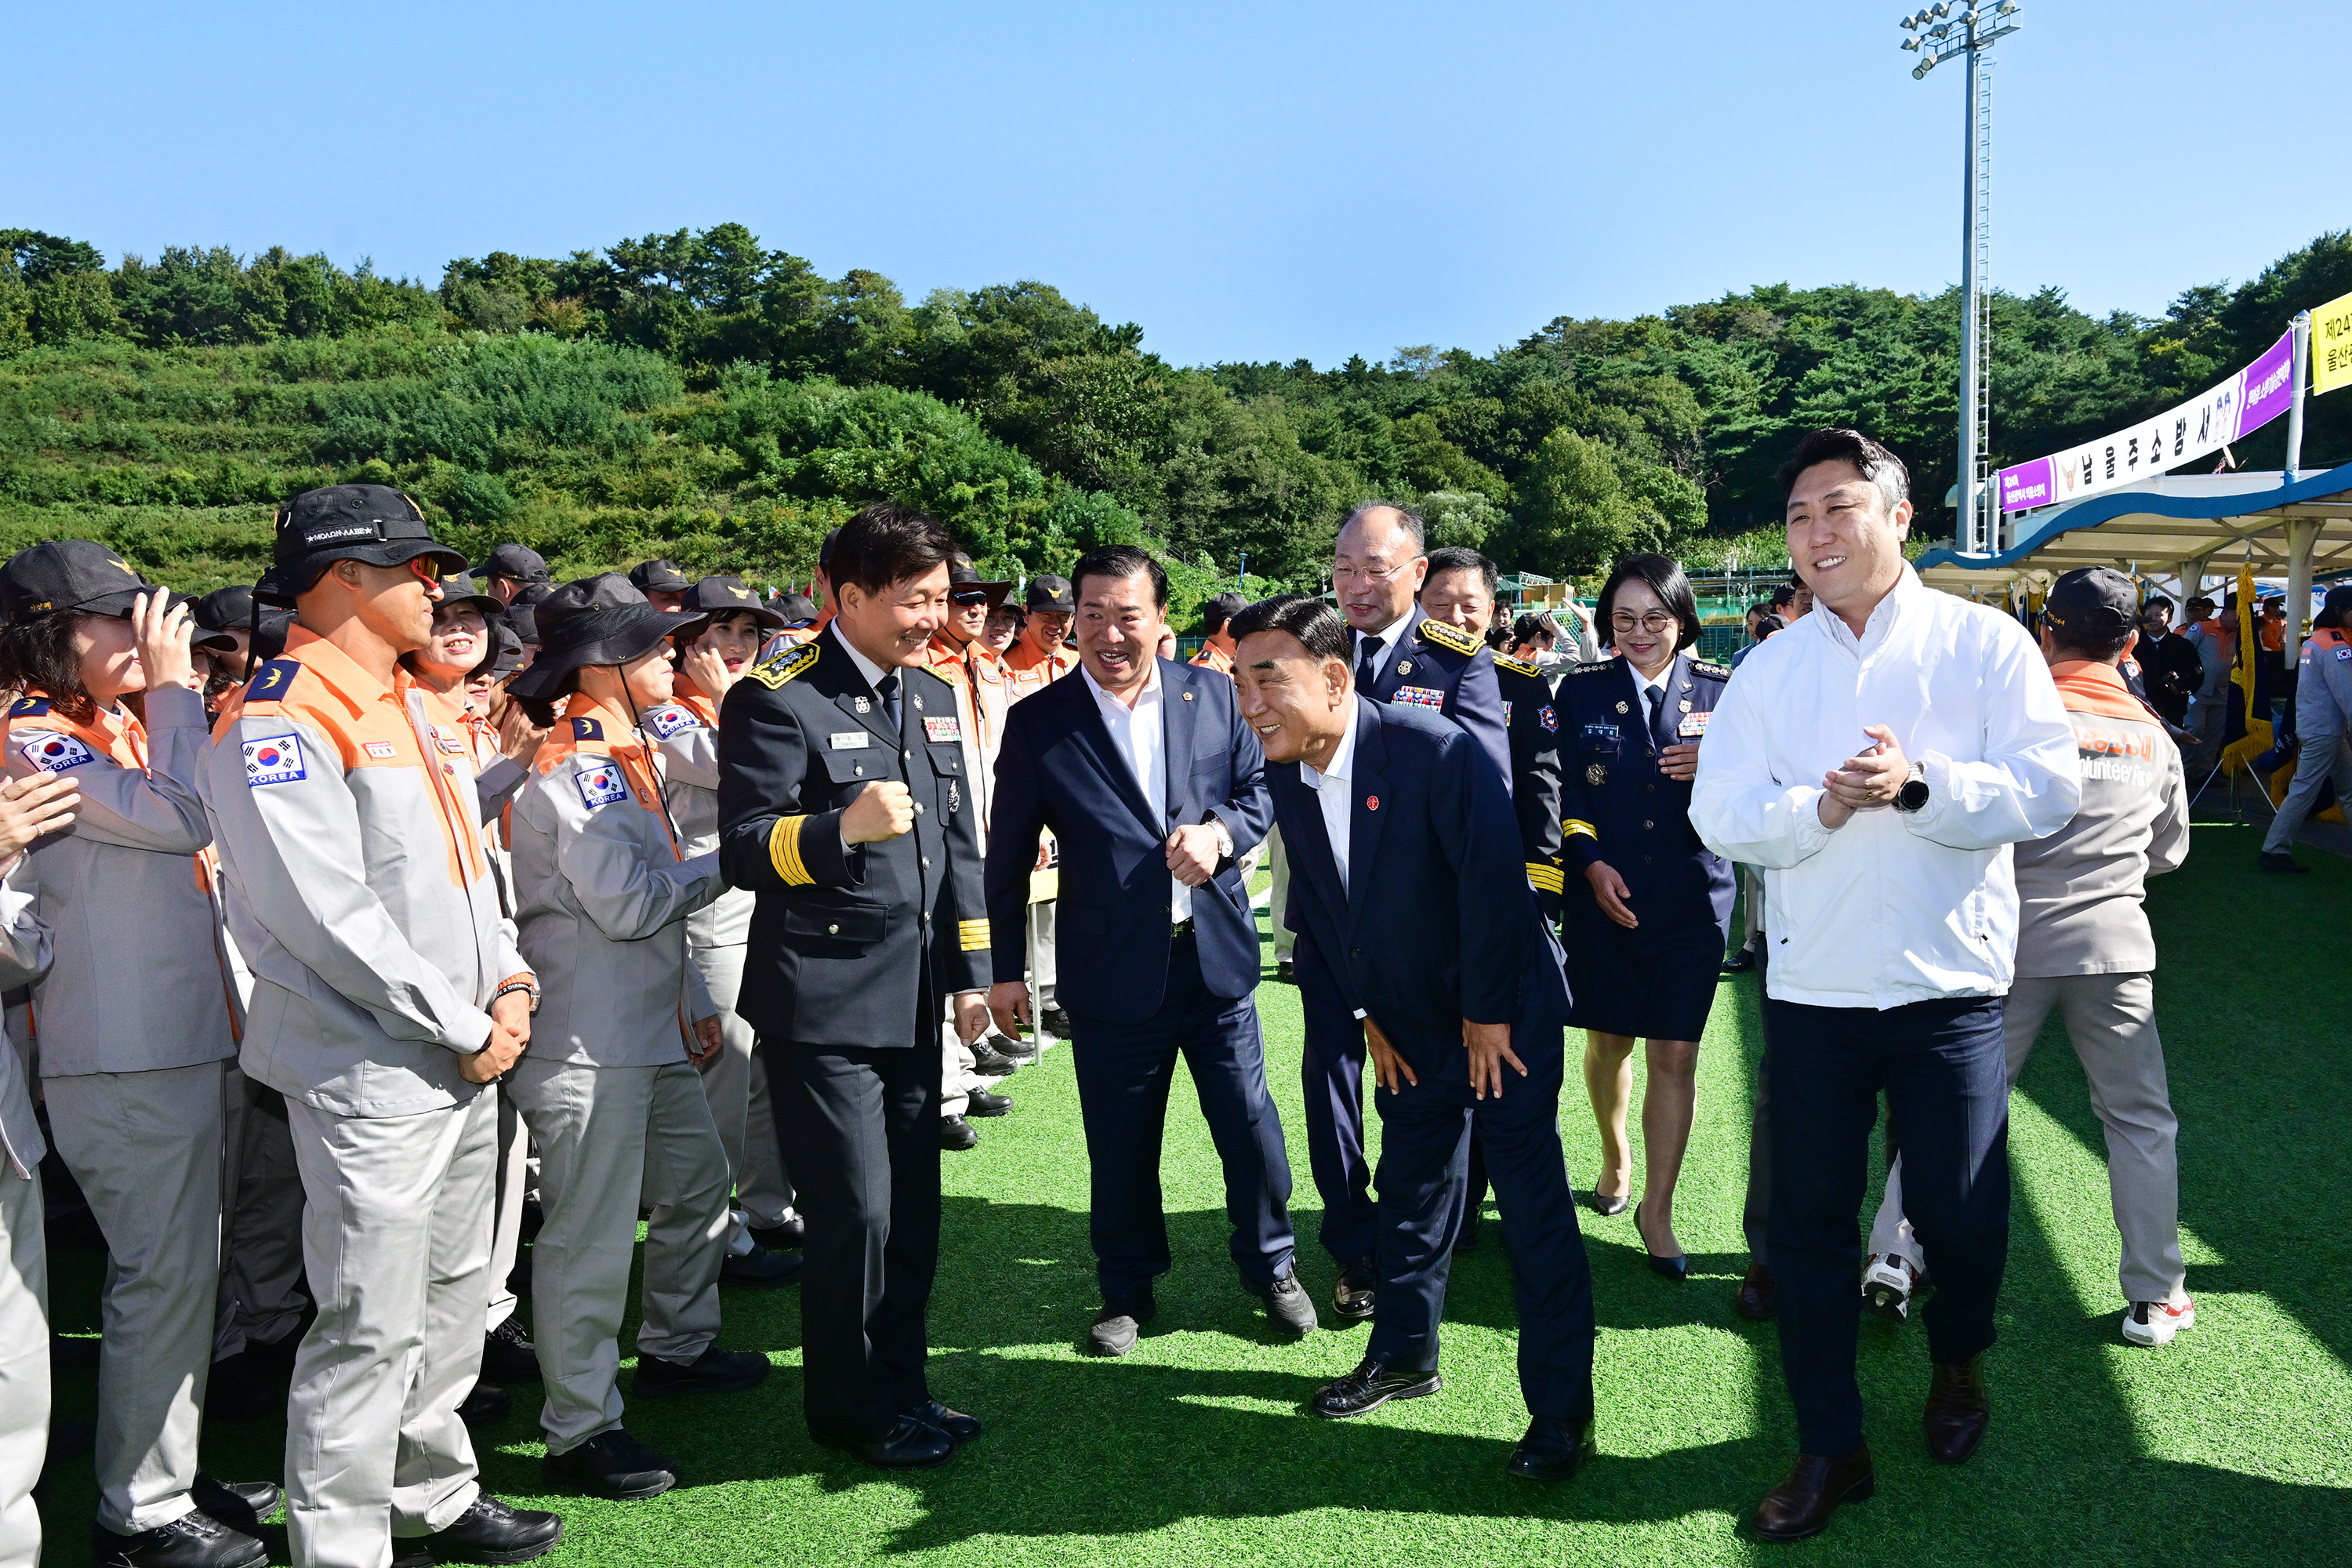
x=1246 y=180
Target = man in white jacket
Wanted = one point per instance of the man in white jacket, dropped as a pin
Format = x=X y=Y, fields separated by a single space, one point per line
x=1876 y=761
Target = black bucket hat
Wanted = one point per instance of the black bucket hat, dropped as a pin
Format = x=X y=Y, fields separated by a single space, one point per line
x=372 y=523
x=68 y=574
x=963 y=577
x=595 y=620
x=722 y=595
x=659 y=576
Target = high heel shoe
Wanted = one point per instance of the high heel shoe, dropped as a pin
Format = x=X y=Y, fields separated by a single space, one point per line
x=1610 y=1208
x=1677 y=1268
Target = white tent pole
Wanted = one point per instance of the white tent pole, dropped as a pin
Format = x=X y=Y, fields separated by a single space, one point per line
x=2302 y=536
x=2302 y=383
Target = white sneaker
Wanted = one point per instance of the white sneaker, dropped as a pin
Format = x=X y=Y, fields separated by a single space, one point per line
x=2155 y=1323
x=1887 y=1283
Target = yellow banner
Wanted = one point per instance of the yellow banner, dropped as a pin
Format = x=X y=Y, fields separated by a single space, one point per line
x=2331 y=345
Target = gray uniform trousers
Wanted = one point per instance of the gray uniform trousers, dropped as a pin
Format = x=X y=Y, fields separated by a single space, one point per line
x=23 y=1363
x=261 y=1273
x=148 y=1149
x=2111 y=1019
x=396 y=1238
x=612 y=1139
x=736 y=1083
x=511 y=1181
x=2322 y=757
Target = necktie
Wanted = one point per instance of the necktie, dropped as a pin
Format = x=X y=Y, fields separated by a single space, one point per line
x=887 y=690
x=1662 y=734
x=1368 y=665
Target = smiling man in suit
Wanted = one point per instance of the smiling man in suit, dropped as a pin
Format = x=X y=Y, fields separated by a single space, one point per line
x=1153 y=786
x=1462 y=1008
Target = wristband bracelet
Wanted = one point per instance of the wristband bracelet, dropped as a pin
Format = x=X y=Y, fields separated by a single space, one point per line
x=528 y=988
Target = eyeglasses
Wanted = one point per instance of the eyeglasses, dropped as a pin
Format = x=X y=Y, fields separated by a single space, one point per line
x=1653 y=623
x=1364 y=574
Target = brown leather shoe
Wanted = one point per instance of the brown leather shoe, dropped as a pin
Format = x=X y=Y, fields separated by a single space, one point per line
x=1958 y=1412
x=1801 y=1505
x=1758 y=1298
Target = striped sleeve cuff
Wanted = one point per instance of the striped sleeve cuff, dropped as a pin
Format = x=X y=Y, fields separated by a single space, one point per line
x=785 y=852
x=1544 y=877
x=1576 y=825
x=974 y=935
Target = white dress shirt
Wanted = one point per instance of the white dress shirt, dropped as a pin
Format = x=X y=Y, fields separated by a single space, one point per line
x=1388 y=637
x=1334 y=792
x=1141 y=738
x=1893 y=906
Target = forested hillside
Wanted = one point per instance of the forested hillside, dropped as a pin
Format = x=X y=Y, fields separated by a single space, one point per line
x=700 y=395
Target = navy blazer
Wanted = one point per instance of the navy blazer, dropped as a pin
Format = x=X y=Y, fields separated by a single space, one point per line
x=1618 y=807
x=1060 y=769
x=1436 y=665
x=1437 y=923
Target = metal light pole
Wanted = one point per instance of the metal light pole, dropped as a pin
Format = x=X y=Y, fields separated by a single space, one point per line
x=1937 y=39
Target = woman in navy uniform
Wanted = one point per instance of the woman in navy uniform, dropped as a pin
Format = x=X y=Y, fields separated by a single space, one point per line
x=1643 y=950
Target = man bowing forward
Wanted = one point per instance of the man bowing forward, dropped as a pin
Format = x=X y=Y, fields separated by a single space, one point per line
x=1462 y=1006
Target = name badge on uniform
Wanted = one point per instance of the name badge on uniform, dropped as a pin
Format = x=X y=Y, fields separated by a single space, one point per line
x=380 y=749
x=936 y=728
x=1417 y=697
x=272 y=759
x=601 y=785
x=1603 y=733
x=668 y=720
x=449 y=741
x=853 y=740
x=56 y=753
x=1692 y=726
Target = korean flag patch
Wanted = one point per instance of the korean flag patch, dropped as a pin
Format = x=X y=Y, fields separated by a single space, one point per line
x=273 y=759
x=602 y=784
x=668 y=721
x=56 y=753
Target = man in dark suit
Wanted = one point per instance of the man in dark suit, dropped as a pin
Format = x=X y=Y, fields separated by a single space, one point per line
x=1152 y=787
x=1459 y=999
x=843 y=803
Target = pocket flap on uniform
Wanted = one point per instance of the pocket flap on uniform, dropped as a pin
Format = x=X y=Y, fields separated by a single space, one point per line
x=841 y=922
x=946 y=760
x=850 y=766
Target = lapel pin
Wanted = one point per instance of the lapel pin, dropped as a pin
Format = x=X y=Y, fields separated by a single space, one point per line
x=864 y=706
x=1188 y=696
x=1685 y=704
x=1621 y=708
x=1405 y=667
x=1371 y=803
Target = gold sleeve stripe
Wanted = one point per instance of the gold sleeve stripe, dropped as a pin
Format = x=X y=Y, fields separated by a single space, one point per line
x=974 y=935
x=1577 y=824
x=1544 y=878
x=785 y=852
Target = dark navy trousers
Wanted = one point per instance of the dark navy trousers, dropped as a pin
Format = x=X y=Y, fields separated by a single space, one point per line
x=1332 y=1068
x=1425 y=1136
x=1944 y=1071
x=1125 y=1071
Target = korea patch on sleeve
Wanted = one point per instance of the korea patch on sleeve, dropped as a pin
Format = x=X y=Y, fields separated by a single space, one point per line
x=273 y=759
x=602 y=784
x=950 y=728
x=56 y=753
x=670 y=719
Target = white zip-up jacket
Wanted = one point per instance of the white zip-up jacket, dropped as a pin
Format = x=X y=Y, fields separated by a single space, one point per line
x=1893 y=906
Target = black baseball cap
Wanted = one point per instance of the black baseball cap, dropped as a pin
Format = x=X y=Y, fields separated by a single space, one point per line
x=520 y=562
x=458 y=588
x=2338 y=603
x=223 y=609
x=659 y=576
x=77 y=575
x=721 y=594
x=523 y=611
x=2098 y=600
x=372 y=523
x=594 y=620
x=1047 y=592
x=505 y=651
x=796 y=610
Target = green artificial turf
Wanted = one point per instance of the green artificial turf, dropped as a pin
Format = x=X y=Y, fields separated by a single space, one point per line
x=2230 y=1447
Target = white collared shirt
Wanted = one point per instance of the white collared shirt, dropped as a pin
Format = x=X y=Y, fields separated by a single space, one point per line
x=1335 y=793
x=872 y=673
x=1893 y=906
x=1141 y=737
x=1388 y=637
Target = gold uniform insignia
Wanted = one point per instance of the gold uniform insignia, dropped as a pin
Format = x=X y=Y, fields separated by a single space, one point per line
x=1444 y=633
x=784 y=664
x=1515 y=665
x=1623 y=709
x=1597 y=774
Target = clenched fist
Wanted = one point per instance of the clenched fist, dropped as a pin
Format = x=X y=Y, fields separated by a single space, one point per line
x=883 y=811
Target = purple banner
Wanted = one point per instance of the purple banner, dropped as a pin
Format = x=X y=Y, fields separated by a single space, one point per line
x=2026 y=485
x=2270 y=387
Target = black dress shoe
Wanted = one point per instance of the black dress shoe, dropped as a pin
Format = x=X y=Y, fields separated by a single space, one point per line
x=194 y=1540
x=911 y=1445
x=490 y=1531
x=1740 y=963
x=715 y=1370
x=1610 y=1208
x=485 y=1405
x=1466 y=1238
x=1054 y=1022
x=240 y=1505
x=1801 y=1505
x=1957 y=1411
x=990 y=1064
x=1117 y=1323
x=1354 y=1296
x=956 y=1134
x=1758 y=1298
x=759 y=1270
x=785 y=1238
x=507 y=1355
x=1675 y=1267
x=1286 y=970
x=980 y=1102
x=1372 y=1385
x=615 y=1465
x=1021 y=1051
x=1288 y=1307
x=1553 y=1450
x=959 y=1428
x=2280 y=861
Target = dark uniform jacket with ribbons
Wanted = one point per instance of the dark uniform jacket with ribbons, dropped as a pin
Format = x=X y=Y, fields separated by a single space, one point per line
x=1617 y=806
x=1441 y=668
x=1533 y=719
x=850 y=947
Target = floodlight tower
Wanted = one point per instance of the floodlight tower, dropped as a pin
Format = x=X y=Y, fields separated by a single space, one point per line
x=1939 y=35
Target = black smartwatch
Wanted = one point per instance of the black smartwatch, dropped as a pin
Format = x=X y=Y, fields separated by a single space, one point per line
x=1913 y=795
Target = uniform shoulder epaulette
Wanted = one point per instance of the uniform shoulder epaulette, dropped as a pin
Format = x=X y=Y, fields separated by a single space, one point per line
x=1711 y=670
x=29 y=707
x=784 y=664
x=274 y=681
x=1515 y=665
x=1595 y=667
x=1445 y=634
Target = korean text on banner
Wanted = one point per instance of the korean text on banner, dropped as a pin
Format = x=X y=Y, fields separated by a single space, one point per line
x=2331 y=345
